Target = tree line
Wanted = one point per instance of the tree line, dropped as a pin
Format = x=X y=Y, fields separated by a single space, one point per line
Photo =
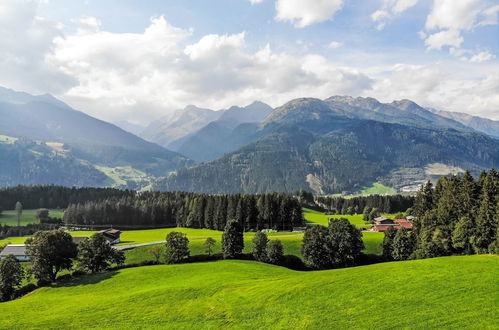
x=459 y=215
x=357 y=205
x=54 y=197
x=183 y=209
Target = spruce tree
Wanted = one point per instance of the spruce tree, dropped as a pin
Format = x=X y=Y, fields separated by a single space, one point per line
x=232 y=240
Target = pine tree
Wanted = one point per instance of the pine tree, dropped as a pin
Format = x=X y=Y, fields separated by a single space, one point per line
x=232 y=240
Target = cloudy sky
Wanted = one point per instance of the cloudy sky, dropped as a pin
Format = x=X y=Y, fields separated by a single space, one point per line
x=137 y=60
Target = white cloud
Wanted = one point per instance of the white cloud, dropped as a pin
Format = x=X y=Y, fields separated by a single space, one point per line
x=431 y=86
x=451 y=17
x=139 y=76
x=444 y=38
x=303 y=13
x=482 y=57
x=389 y=10
x=254 y=2
x=335 y=44
x=25 y=39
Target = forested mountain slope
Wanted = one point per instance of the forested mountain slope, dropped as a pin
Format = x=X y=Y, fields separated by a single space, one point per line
x=306 y=144
x=85 y=141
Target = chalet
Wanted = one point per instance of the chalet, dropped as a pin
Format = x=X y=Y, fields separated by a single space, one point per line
x=111 y=235
x=17 y=250
x=382 y=224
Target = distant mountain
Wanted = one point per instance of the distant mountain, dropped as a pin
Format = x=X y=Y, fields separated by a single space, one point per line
x=234 y=129
x=398 y=112
x=484 y=125
x=125 y=125
x=184 y=129
x=178 y=125
x=24 y=161
x=46 y=119
x=310 y=144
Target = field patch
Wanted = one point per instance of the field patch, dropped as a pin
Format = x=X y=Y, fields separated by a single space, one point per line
x=458 y=292
x=9 y=217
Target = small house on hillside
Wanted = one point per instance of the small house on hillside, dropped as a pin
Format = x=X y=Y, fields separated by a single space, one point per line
x=17 y=250
x=111 y=235
x=382 y=224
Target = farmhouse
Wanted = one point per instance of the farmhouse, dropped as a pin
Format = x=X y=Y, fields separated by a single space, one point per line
x=17 y=250
x=111 y=235
x=382 y=224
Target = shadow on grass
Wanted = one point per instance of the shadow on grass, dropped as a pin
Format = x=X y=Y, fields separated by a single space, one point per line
x=86 y=279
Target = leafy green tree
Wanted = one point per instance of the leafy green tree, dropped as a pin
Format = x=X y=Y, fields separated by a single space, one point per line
x=177 y=247
x=19 y=212
x=388 y=243
x=11 y=276
x=157 y=252
x=373 y=214
x=275 y=251
x=402 y=245
x=232 y=240
x=316 y=250
x=95 y=254
x=209 y=244
x=42 y=214
x=50 y=252
x=345 y=242
x=259 y=249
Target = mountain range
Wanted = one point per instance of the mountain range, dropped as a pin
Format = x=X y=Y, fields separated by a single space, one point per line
x=337 y=145
x=67 y=135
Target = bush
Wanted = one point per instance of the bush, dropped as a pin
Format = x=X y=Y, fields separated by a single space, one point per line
x=259 y=249
x=275 y=252
x=177 y=247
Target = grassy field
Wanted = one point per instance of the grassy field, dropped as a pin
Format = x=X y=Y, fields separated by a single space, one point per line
x=449 y=292
x=377 y=189
x=29 y=216
x=312 y=216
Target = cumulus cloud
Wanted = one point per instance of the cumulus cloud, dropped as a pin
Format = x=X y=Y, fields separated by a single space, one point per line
x=25 y=40
x=389 y=10
x=254 y=2
x=431 y=86
x=143 y=75
x=303 y=13
x=444 y=38
x=449 y=18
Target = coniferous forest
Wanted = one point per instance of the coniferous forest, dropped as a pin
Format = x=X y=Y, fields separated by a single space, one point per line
x=459 y=215
x=182 y=209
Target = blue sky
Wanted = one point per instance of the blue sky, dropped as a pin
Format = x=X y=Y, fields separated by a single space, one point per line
x=138 y=60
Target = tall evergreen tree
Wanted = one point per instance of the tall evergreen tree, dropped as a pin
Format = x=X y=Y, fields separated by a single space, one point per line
x=232 y=240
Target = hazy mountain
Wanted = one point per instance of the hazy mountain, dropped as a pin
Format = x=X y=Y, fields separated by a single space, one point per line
x=234 y=129
x=46 y=119
x=125 y=125
x=179 y=124
x=480 y=124
x=398 y=112
x=29 y=162
x=307 y=144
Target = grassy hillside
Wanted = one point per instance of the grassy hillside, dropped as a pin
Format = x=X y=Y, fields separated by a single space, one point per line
x=28 y=217
x=450 y=292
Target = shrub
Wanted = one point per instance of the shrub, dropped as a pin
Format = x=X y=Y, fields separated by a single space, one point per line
x=275 y=252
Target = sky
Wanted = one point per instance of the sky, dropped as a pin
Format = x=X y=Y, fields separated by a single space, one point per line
x=139 y=60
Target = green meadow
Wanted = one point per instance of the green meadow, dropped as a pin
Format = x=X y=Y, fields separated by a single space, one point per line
x=448 y=292
x=28 y=217
x=291 y=240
